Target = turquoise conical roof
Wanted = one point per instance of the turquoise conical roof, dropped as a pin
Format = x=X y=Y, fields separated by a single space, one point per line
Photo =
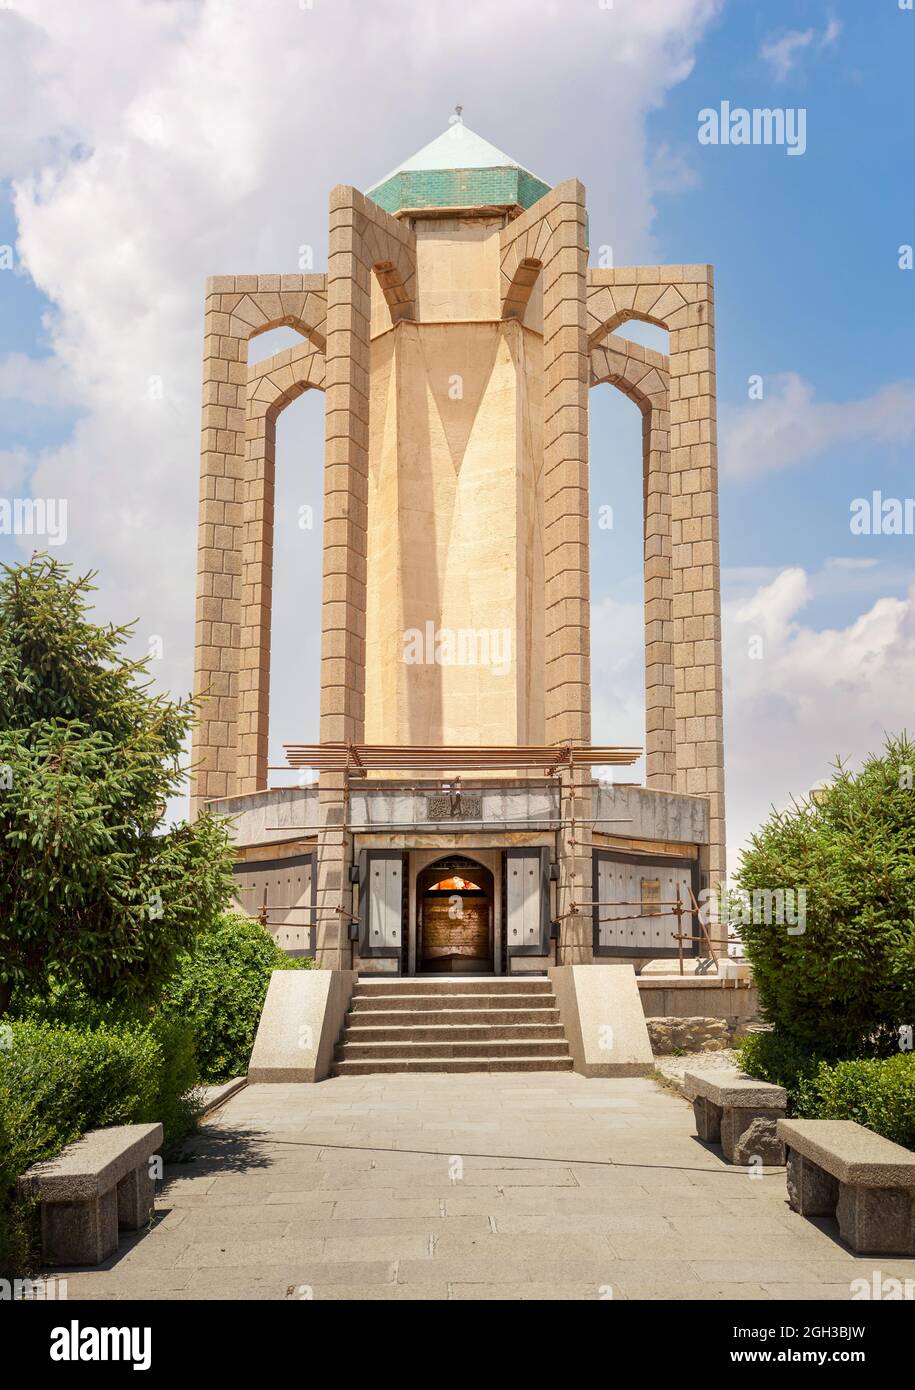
x=458 y=169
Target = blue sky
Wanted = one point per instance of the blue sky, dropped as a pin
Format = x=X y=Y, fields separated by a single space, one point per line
x=805 y=251
x=147 y=147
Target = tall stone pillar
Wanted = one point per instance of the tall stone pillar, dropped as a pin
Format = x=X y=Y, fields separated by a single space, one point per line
x=222 y=458
x=695 y=563
x=683 y=485
x=553 y=234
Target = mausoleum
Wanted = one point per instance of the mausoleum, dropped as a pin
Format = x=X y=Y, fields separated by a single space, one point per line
x=453 y=814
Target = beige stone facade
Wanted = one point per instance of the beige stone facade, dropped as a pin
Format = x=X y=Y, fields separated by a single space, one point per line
x=456 y=347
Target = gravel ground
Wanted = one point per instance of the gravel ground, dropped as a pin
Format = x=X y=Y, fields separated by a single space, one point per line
x=674 y=1068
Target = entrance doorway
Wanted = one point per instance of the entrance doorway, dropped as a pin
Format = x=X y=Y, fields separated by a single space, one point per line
x=455 y=918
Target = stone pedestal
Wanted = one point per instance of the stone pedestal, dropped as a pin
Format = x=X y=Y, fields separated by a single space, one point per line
x=708 y=1120
x=136 y=1198
x=876 y=1220
x=759 y=1144
x=811 y=1190
x=79 y=1233
x=735 y=1121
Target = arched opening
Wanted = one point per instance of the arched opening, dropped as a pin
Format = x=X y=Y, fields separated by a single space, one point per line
x=630 y=552
x=273 y=340
x=295 y=687
x=455 y=884
x=646 y=333
x=455 y=918
x=269 y=523
x=617 y=564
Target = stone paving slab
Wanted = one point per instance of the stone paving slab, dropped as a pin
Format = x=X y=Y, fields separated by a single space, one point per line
x=471 y=1187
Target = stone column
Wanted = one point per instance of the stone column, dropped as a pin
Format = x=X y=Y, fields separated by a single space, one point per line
x=225 y=375
x=660 y=731
x=695 y=566
x=257 y=601
x=565 y=470
x=349 y=269
x=552 y=234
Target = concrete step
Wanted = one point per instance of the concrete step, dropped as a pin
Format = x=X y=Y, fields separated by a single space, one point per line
x=454 y=984
x=482 y=1062
x=452 y=1024
x=493 y=1018
x=447 y=1032
x=435 y=1003
x=384 y=1051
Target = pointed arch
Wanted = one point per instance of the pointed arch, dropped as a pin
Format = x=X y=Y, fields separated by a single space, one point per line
x=644 y=376
x=518 y=290
x=273 y=384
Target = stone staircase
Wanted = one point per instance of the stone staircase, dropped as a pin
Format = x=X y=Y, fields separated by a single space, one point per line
x=449 y=1024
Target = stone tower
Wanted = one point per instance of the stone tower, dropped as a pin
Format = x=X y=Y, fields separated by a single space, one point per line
x=456 y=336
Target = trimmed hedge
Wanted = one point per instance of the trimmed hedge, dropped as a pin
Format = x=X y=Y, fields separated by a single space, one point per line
x=69 y=1063
x=878 y=1093
x=219 y=990
x=57 y=1082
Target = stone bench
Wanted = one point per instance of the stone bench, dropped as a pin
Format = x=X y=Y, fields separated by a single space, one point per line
x=838 y=1167
x=96 y=1185
x=739 y=1113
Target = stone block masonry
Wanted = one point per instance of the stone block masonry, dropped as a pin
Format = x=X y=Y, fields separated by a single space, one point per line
x=456 y=347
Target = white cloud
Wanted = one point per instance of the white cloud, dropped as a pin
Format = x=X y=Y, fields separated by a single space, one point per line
x=783 y=54
x=809 y=695
x=831 y=34
x=14 y=467
x=789 y=426
x=161 y=141
x=618 y=679
x=34 y=380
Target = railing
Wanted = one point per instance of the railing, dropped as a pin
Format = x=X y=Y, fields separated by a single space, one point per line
x=675 y=907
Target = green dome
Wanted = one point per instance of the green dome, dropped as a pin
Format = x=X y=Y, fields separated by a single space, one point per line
x=457 y=170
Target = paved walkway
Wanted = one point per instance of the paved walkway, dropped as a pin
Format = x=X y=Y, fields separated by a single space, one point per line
x=535 y=1185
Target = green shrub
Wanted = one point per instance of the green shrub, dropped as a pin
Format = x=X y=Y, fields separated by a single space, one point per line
x=774 y=1058
x=219 y=989
x=841 y=987
x=878 y=1093
x=57 y=1082
x=175 y=1101
x=14 y=1214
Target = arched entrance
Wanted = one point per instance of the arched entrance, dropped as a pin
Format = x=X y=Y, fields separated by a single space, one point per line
x=455 y=917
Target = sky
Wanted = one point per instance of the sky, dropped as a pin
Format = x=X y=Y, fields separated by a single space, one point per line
x=148 y=144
